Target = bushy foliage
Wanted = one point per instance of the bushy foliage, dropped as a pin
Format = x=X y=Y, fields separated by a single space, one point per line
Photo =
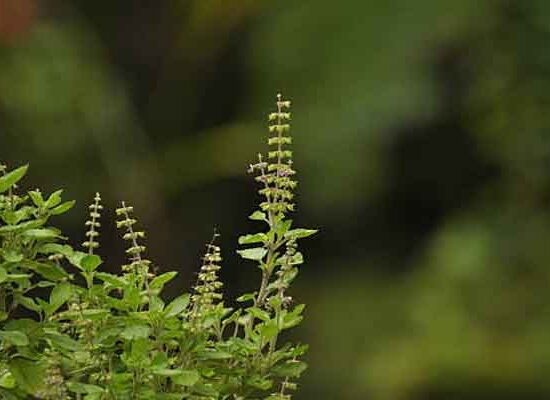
x=102 y=336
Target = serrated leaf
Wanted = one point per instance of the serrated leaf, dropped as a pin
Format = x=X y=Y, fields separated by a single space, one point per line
x=255 y=254
x=60 y=295
x=12 y=256
x=54 y=199
x=214 y=355
x=28 y=303
x=14 y=337
x=63 y=342
x=258 y=313
x=89 y=263
x=283 y=226
x=113 y=280
x=161 y=280
x=63 y=208
x=186 y=377
x=29 y=375
x=83 y=388
x=12 y=177
x=56 y=248
x=253 y=238
x=48 y=271
x=43 y=233
x=289 y=368
x=36 y=198
x=7 y=229
x=134 y=332
x=7 y=380
x=177 y=306
x=269 y=330
x=258 y=216
x=246 y=297
x=300 y=233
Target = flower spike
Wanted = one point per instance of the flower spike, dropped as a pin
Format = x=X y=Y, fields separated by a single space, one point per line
x=93 y=225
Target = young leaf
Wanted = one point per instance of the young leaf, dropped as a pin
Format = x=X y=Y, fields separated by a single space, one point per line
x=14 y=337
x=54 y=199
x=300 y=233
x=255 y=254
x=246 y=297
x=36 y=198
x=60 y=295
x=289 y=368
x=177 y=306
x=29 y=375
x=134 y=332
x=89 y=263
x=186 y=377
x=43 y=233
x=63 y=208
x=12 y=177
x=258 y=216
x=255 y=238
x=161 y=280
x=258 y=313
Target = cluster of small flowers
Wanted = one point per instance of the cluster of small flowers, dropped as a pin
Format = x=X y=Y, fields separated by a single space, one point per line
x=206 y=292
x=276 y=174
x=137 y=264
x=93 y=225
x=54 y=385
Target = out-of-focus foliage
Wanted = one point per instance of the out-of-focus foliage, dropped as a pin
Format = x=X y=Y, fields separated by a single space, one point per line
x=425 y=146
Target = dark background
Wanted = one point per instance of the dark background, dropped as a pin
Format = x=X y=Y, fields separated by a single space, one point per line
x=422 y=140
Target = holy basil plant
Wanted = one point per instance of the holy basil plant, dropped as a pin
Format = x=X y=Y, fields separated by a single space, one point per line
x=89 y=334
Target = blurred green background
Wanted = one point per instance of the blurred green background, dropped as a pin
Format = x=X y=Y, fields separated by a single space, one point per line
x=422 y=134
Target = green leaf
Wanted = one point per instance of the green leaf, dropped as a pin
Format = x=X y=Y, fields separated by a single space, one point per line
x=134 y=332
x=43 y=233
x=269 y=330
x=255 y=254
x=163 y=279
x=214 y=355
x=113 y=280
x=258 y=216
x=7 y=380
x=63 y=208
x=60 y=295
x=54 y=199
x=36 y=198
x=29 y=375
x=7 y=229
x=12 y=177
x=89 y=263
x=186 y=377
x=289 y=368
x=48 y=271
x=283 y=226
x=63 y=342
x=15 y=337
x=165 y=371
x=300 y=233
x=177 y=306
x=12 y=256
x=254 y=238
x=258 y=313
x=246 y=297
x=28 y=303
x=3 y=274
x=55 y=248
x=83 y=388
x=156 y=304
